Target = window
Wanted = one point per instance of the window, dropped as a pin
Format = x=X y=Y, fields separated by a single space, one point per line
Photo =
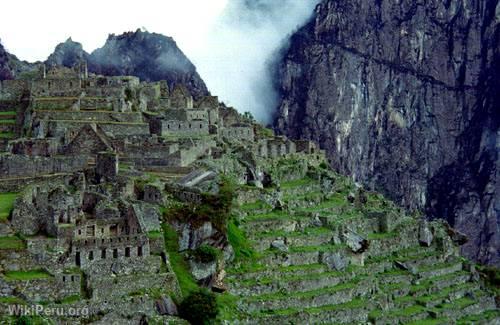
x=115 y=253
x=72 y=278
x=103 y=253
x=139 y=251
x=64 y=278
x=127 y=251
x=91 y=255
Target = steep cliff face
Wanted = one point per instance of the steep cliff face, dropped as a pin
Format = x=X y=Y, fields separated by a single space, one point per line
x=5 y=71
x=404 y=97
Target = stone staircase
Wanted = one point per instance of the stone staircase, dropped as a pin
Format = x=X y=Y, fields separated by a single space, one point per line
x=394 y=281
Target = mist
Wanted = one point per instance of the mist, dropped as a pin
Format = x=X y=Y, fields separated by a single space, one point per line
x=235 y=57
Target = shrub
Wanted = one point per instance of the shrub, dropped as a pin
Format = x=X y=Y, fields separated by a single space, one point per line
x=23 y=320
x=200 y=307
x=214 y=208
x=205 y=254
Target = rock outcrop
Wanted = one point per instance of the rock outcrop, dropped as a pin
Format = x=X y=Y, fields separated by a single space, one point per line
x=11 y=67
x=5 y=72
x=149 y=56
x=402 y=96
x=67 y=54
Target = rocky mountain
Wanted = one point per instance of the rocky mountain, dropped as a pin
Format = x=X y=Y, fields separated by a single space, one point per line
x=67 y=54
x=11 y=67
x=5 y=72
x=149 y=56
x=404 y=98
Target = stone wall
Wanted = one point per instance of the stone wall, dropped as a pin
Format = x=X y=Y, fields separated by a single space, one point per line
x=34 y=147
x=108 y=287
x=24 y=166
x=184 y=128
x=13 y=90
x=232 y=133
x=86 y=252
x=59 y=128
x=97 y=116
x=56 y=87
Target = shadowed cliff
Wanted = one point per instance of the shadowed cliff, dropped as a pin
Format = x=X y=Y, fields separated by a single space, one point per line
x=402 y=96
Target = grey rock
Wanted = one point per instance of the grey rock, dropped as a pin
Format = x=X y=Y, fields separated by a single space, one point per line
x=425 y=235
x=355 y=242
x=279 y=244
x=398 y=118
x=334 y=261
x=192 y=237
x=166 y=306
x=202 y=271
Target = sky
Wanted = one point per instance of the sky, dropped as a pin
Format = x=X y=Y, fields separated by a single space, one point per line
x=231 y=42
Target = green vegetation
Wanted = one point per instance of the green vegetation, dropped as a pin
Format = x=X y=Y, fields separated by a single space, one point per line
x=12 y=301
x=8 y=113
x=27 y=275
x=307 y=294
x=70 y=299
x=156 y=293
x=7 y=135
x=200 y=307
x=263 y=132
x=257 y=205
x=205 y=254
x=386 y=235
x=353 y=304
x=12 y=242
x=179 y=264
x=242 y=247
x=444 y=293
x=297 y=183
x=155 y=234
x=485 y=316
x=7 y=121
x=227 y=305
x=6 y=205
x=214 y=208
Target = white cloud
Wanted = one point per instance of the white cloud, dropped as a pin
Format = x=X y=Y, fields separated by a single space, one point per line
x=32 y=28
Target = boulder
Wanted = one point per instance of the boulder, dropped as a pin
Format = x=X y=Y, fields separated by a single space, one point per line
x=355 y=242
x=456 y=236
x=202 y=271
x=166 y=306
x=192 y=237
x=425 y=235
x=334 y=261
x=279 y=244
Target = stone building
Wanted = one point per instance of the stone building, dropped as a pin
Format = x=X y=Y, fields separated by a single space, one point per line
x=238 y=132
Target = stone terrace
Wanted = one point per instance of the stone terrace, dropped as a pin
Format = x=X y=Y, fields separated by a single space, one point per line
x=305 y=270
